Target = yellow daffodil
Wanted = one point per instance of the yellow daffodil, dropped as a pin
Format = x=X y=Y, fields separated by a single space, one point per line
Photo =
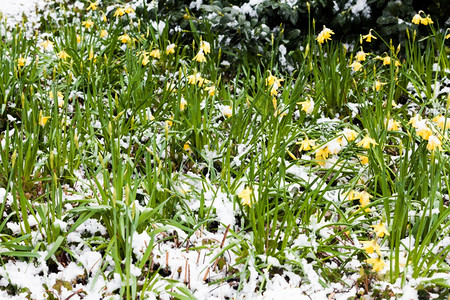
x=426 y=21
x=366 y=142
x=60 y=97
x=447 y=36
x=307 y=106
x=415 y=120
x=192 y=79
x=124 y=38
x=434 y=143
x=378 y=264
x=92 y=5
x=129 y=10
x=211 y=90
x=306 y=144
x=352 y=195
x=200 y=57
x=380 y=229
x=183 y=104
x=322 y=153
x=170 y=49
x=364 y=200
x=371 y=246
x=78 y=39
x=63 y=55
x=350 y=134
x=42 y=120
x=424 y=132
x=103 y=33
x=145 y=60
x=245 y=195
x=88 y=24
x=360 y=56
x=386 y=60
x=356 y=66
x=119 y=12
x=205 y=46
x=368 y=37
x=155 y=53
x=416 y=19
x=271 y=80
x=378 y=85
x=21 y=61
x=397 y=63
x=442 y=121
x=47 y=45
x=187 y=147
x=393 y=125
x=227 y=111
x=364 y=159
x=324 y=35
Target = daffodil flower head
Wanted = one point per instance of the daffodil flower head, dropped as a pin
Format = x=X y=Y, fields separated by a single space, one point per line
x=103 y=33
x=434 y=143
x=155 y=53
x=306 y=144
x=245 y=196
x=324 y=35
x=350 y=134
x=378 y=84
x=380 y=229
x=47 y=45
x=92 y=5
x=322 y=154
x=183 y=103
x=424 y=132
x=364 y=159
x=211 y=90
x=187 y=147
x=364 y=200
x=356 y=66
x=426 y=21
x=145 y=59
x=200 y=57
x=227 y=111
x=393 y=125
x=129 y=10
x=42 y=120
x=88 y=23
x=195 y=78
x=378 y=264
x=63 y=55
x=205 y=46
x=352 y=195
x=416 y=19
x=442 y=122
x=371 y=246
x=124 y=38
x=368 y=37
x=120 y=11
x=170 y=49
x=307 y=106
x=360 y=56
x=367 y=142
x=21 y=61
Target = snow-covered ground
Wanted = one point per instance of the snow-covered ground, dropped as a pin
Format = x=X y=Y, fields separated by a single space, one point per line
x=13 y=8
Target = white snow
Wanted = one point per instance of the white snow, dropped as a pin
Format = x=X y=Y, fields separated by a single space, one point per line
x=12 y=8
